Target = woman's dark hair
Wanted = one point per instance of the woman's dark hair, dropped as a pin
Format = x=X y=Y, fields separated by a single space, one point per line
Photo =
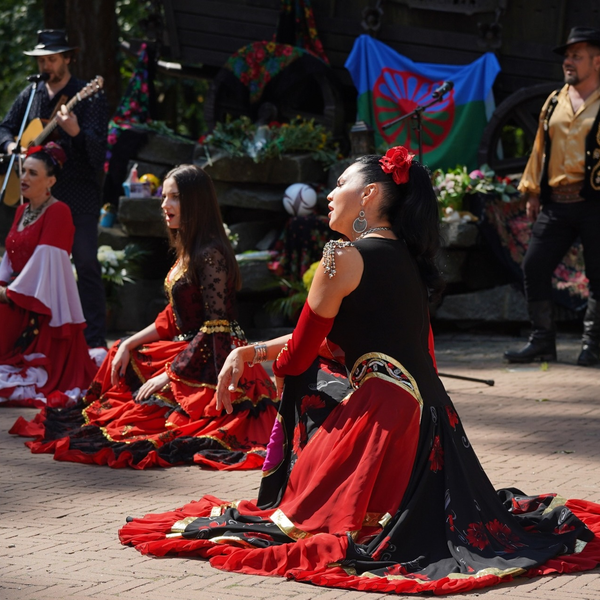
x=53 y=166
x=412 y=210
x=200 y=223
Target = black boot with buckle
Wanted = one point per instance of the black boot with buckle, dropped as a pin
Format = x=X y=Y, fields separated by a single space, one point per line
x=542 y=341
x=590 y=341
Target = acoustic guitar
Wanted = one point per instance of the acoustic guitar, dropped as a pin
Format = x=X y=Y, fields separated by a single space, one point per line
x=36 y=133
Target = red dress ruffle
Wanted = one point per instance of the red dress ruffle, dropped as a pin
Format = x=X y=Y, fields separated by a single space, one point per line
x=363 y=458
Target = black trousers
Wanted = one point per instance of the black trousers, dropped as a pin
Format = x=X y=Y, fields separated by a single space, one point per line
x=89 y=278
x=556 y=228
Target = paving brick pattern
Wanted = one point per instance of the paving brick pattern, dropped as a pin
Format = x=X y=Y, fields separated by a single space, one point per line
x=538 y=430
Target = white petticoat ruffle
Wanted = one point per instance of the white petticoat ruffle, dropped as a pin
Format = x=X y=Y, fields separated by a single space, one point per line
x=26 y=382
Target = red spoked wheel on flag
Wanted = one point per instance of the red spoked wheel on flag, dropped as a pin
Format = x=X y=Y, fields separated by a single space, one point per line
x=397 y=93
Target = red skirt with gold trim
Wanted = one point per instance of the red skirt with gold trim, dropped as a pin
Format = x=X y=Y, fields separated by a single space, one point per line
x=384 y=493
x=179 y=425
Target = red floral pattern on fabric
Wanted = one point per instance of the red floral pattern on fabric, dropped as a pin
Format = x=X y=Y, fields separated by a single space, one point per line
x=257 y=63
x=477 y=536
x=503 y=535
x=299 y=437
x=312 y=401
x=401 y=570
x=436 y=456
x=134 y=107
x=452 y=417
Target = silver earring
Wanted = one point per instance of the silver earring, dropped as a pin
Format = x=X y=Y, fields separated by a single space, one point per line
x=360 y=223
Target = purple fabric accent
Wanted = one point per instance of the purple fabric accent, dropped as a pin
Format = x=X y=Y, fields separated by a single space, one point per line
x=275 y=447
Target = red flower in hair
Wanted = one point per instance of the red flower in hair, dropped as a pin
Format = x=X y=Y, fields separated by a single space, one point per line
x=33 y=149
x=397 y=161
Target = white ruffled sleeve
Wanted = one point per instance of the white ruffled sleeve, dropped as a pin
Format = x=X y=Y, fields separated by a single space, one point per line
x=47 y=284
x=5 y=268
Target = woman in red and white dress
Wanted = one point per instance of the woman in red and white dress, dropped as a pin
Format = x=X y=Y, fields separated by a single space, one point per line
x=44 y=359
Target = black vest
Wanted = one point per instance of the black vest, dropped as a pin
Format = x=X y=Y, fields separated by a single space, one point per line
x=591 y=182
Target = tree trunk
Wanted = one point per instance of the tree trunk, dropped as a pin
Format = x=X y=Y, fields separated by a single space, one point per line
x=54 y=14
x=92 y=27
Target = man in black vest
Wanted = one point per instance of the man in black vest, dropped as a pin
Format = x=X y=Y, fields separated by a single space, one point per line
x=82 y=135
x=562 y=185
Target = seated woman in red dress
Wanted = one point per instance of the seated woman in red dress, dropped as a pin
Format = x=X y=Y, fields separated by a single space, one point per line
x=153 y=400
x=42 y=347
x=370 y=482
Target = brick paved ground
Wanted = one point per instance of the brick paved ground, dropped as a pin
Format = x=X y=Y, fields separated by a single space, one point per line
x=536 y=430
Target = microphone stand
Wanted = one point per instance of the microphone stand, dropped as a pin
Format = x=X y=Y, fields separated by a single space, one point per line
x=416 y=114
x=16 y=153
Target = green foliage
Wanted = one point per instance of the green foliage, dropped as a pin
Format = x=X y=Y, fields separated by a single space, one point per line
x=241 y=137
x=179 y=101
x=119 y=267
x=453 y=185
x=19 y=22
x=297 y=292
x=514 y=142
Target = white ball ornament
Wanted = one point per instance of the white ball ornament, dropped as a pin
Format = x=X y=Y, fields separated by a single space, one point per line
x=299 y=199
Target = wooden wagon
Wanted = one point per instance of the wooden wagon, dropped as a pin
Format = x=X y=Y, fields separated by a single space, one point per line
x=521 y=33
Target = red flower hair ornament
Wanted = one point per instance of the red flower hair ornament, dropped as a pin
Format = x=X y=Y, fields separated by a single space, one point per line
x=52 y=149
x=397 y=161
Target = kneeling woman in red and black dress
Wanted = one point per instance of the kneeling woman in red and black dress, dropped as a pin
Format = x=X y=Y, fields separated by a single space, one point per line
x=370 y=481
x=153 y=401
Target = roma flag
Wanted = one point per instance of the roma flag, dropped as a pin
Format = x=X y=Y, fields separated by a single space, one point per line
x=390 y=85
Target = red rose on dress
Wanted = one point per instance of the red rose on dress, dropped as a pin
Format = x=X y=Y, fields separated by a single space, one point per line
x=503 y=535
x=477 y=536
x=436 y=457
x=397 y=161
x=309 y=402
x=452 y=417
x=299 y=440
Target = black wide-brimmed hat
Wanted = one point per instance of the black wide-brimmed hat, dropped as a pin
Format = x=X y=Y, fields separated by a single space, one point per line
x=580 y=34
x=51 y=41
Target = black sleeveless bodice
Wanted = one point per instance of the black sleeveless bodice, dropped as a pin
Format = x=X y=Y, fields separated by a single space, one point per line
x=388 y=312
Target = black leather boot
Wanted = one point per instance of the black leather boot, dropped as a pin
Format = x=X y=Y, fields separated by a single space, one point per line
x=542 y=341
x=590 y=341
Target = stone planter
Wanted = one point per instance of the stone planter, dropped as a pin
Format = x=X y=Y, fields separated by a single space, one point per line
x=142 y=217
x=292 y=168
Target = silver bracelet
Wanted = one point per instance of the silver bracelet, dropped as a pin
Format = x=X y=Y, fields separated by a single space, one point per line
x=260 y=354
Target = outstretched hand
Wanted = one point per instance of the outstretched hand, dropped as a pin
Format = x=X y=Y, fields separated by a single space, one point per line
x=228 y=379
x=155 y=384
x=119 y=364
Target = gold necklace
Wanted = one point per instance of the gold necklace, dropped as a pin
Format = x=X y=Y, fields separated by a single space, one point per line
x=31 y=214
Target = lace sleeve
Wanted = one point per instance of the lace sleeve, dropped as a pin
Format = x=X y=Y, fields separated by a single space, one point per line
x=205 y=354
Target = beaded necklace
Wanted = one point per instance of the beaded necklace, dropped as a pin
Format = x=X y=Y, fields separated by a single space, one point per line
x=31 y=214
x=333 y=245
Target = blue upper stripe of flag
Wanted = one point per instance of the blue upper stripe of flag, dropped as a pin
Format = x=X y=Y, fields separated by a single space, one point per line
x=472 y=82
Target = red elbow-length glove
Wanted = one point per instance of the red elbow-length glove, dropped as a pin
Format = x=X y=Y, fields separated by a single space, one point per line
x=303 y=346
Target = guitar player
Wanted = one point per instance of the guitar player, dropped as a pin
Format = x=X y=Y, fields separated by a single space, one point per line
x=82 y=134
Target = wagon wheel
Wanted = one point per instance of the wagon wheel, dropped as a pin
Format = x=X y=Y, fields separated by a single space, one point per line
x=306 y=88
x=508 y=137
